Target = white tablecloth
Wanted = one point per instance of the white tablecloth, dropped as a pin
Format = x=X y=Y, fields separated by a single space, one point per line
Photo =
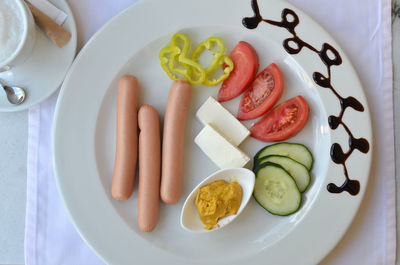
x=361 y=27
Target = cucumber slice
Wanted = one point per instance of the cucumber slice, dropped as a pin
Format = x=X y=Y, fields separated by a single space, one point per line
x=297 y=152
x=298 y=171
x=276 y=191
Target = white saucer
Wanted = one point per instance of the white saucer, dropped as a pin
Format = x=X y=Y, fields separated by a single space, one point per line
x=42 y=73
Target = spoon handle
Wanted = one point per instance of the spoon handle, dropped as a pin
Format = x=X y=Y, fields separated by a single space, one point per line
x=55 y=32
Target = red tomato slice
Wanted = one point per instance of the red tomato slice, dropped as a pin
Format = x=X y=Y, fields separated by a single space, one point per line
x=245 y=61
x=262 y=94
x=283 y=121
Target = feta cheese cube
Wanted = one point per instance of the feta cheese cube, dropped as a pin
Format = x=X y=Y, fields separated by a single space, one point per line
x=223 y=153
x=212 y=112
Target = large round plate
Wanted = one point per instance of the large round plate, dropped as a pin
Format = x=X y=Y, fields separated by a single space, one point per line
x=45 y=68
x=84 y=139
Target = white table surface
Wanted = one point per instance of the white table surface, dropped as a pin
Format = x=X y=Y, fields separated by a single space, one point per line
x=13 y=153
x=13 y=147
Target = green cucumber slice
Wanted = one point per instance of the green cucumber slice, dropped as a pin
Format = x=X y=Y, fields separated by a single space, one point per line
x=297 y=152
x=276 y=191
x=298 y=171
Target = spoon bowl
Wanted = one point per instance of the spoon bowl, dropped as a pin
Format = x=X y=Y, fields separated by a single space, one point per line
x=190 y=219
x=15 y=95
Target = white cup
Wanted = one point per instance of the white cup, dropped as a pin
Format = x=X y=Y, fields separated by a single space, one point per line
x=18 y=15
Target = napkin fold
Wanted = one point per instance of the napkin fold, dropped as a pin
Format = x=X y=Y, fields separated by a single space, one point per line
x=362 y=28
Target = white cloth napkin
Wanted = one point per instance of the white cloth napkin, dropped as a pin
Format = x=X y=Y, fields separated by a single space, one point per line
x=362 y=28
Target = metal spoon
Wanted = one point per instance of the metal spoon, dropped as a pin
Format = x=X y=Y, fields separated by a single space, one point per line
x=15 y=95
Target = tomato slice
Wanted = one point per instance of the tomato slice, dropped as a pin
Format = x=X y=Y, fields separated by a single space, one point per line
x=262 y=94
x=283 y=121
x=245 y=61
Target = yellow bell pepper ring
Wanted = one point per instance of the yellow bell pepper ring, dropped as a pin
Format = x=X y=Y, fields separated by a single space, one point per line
x=209 y=44
x=185 y=67
x=178 y=39
x=228 y=67
x=174 y=60
x=218 y=59
x=165 y=54
x=177 y=63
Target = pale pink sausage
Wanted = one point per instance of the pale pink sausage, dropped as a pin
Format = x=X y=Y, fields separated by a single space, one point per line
x=149 y=168
x=126 y=148
x=173 y=140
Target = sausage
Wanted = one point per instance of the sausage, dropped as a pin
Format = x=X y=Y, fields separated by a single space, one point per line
x=126 y=147
x=173 y=140
x=149 y=168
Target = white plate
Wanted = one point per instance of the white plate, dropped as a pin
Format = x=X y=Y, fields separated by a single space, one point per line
x=44 y=70
x=84 y=139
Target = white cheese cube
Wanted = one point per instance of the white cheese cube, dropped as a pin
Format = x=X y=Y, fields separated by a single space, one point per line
x=219 y=150
x=212 y=112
